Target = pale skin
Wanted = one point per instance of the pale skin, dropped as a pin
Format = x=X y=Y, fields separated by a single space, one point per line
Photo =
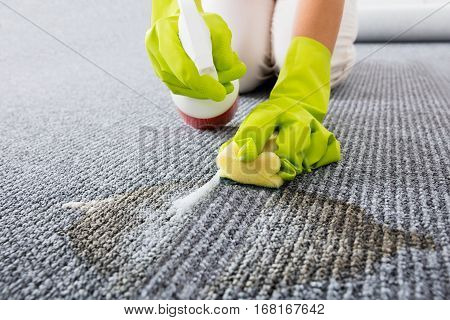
x=319 y=20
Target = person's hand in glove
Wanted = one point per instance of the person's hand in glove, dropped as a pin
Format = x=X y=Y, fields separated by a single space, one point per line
x=174 y=67
x=295 y=109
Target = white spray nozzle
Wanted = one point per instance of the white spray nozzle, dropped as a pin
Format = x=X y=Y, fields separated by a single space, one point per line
x=195 y=38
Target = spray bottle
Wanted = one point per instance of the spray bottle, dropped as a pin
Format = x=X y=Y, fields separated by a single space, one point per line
x=196 y=41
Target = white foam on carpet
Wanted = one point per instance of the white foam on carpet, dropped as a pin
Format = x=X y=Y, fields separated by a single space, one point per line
x=184 y=204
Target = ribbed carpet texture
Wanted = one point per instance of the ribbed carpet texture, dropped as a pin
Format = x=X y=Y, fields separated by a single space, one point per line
x=373 y=226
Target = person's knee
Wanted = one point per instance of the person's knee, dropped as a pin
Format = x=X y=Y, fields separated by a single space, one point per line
x=249 y=82
x=344 y=52
x=341 y=64
x=282 y=25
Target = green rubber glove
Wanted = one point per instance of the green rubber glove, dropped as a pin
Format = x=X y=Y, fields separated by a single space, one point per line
x=174 y=67
x=296 y=107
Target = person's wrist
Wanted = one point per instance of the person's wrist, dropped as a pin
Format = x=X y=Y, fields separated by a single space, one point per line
x=312 y=44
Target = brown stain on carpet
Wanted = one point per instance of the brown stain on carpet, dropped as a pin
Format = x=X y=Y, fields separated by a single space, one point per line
x=98 y=235
x=357 y=241
x=343 y=240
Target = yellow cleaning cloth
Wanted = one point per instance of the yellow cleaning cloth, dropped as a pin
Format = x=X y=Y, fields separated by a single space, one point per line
x=261 y=172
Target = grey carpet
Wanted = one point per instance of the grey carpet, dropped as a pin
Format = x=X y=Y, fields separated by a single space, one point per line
x=375 y=225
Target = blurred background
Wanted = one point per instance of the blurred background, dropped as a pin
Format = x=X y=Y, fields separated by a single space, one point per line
x=380 y=20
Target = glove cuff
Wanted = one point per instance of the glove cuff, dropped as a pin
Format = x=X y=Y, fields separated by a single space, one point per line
x=305 y=76
x=315 y=45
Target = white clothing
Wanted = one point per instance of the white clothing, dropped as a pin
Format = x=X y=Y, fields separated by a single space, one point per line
x=262 y=33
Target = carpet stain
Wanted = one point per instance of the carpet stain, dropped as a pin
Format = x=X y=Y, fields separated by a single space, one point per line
x=319 y=241
x=316 y=239
x=98 y=236
x=349 y=240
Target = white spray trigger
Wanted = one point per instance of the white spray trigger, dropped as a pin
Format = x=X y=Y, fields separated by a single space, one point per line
x=196 y=38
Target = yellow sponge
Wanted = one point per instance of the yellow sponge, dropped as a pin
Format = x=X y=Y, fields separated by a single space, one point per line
x=261 y=172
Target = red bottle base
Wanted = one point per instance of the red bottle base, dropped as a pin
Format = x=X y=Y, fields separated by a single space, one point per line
x=211 y=123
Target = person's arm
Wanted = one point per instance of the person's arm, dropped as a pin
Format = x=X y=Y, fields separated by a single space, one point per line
x=319 y=20
x=295 y=109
